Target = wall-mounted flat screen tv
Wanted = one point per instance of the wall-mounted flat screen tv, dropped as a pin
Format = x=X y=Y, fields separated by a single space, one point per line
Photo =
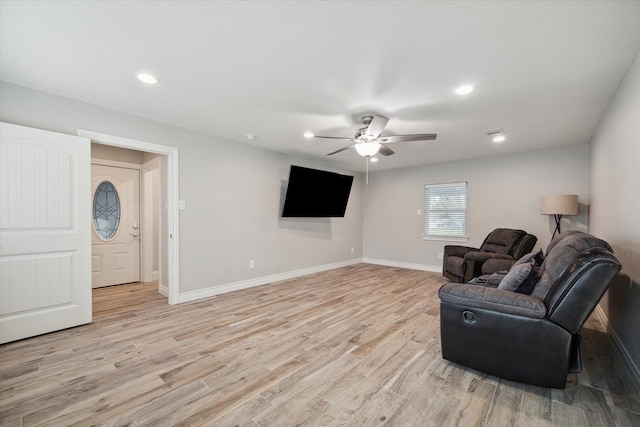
x=316 y=193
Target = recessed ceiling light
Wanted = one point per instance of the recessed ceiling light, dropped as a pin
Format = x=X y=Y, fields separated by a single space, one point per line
x=464 y=89
x=497 y=135
x=147 y=78
x=308 y=135
x=373 y=159
x=250 y=137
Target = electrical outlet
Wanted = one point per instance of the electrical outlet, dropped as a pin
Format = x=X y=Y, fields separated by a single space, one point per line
x=440 y=255
x=252 y=264
x=352 y=250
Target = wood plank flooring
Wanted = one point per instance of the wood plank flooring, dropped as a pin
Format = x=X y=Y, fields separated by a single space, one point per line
x=355 y=346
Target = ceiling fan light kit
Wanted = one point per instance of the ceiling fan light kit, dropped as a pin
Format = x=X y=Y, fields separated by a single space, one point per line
x=367 y=149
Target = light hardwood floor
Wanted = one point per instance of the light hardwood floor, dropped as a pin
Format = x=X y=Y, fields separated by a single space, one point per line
x=353 y=346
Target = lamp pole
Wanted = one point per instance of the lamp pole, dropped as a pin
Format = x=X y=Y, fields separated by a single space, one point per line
x=557 y=217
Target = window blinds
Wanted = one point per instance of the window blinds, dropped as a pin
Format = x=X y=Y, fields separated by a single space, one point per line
x=445 y=210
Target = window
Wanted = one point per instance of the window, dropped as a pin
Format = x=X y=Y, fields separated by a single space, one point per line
x=445 y=211
x=106 y=210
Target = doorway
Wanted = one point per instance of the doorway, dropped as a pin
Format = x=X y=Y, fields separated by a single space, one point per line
x=115 y=215
x=167 y=161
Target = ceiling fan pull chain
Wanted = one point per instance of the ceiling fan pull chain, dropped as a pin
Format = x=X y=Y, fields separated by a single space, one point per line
x=367 y=174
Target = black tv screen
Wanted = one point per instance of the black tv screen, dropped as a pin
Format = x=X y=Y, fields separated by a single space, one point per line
x=316 y=193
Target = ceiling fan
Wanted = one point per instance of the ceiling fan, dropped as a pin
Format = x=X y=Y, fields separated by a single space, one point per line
x=368 y=140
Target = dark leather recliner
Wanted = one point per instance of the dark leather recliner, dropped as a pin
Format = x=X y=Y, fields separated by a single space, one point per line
x=533 y=339
x=500 y=249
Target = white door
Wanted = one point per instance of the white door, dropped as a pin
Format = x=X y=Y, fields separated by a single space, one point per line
x=45 y=243
x=115 y=240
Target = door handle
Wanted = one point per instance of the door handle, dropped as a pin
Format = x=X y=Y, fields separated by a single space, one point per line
x=134 y=234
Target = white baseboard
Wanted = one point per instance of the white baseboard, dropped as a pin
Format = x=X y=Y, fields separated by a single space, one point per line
x=163 y=290
x=244 y=284
x=423 y=267
x=632 y=369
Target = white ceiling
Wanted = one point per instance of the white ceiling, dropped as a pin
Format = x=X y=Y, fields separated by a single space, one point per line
x=543 y=71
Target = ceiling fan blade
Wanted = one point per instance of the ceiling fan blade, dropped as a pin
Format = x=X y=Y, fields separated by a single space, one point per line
x=376 y=127
x=405 y=138
x=334 y=137
x=385 y=151
x=342 y=149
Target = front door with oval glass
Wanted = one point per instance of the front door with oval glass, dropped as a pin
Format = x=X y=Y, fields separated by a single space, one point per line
x=115 y=211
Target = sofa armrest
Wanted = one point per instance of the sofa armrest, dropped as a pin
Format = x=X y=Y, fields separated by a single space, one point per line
x=497 y=300
x=456 y=250
x=484 y=256
x=494 y=265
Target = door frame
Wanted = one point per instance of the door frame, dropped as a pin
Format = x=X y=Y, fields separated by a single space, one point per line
x=147 y=210
x=172 y=214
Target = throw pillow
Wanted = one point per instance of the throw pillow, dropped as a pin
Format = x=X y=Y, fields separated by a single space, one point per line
x=539 y=258
x=536 y=257
x=522 y=278
x=528 y=285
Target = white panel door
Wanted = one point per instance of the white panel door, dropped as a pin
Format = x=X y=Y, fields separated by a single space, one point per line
x=45 y=240
x=115 y=241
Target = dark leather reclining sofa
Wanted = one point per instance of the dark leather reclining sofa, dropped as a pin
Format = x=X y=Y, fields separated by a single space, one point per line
x=533 y=339
x=500 y=249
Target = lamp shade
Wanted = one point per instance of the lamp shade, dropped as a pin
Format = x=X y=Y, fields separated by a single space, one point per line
x=559 y=204
x=367 y=148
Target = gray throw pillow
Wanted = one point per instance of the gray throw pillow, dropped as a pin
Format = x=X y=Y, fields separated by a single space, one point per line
x=522 y=278
x=536 y=257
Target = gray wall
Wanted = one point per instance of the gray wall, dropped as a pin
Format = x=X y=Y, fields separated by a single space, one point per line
x=232 y=193
x=502 y=191
x=615 y=209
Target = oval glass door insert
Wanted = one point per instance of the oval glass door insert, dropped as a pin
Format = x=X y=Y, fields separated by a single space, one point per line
x=106 y=210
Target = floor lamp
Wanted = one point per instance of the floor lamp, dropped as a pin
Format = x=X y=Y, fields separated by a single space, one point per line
x=558 y=205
